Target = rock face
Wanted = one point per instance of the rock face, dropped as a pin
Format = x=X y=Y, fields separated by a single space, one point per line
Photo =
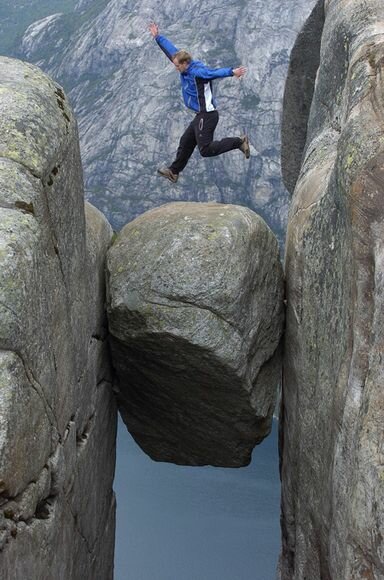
x=126 y=95
x=298 y=93
x=195 y=313
x=333 y=402
x=57 y=415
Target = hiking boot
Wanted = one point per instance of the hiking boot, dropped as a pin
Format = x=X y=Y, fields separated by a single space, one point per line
x=244 y=147
x=166 y=172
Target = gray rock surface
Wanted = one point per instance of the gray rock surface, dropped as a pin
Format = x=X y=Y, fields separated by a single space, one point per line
x=332 y=420
x=298 y=93
x=127 y=97
x=57 y=413
x=195 y=314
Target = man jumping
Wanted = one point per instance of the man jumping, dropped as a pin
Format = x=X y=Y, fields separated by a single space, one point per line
x=196 y=85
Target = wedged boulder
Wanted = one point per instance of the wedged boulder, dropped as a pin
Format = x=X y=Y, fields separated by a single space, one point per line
x=195 y=307
x=333 y=398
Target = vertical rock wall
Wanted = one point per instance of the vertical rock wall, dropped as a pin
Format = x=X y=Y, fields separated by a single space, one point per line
x=333 y=402
x=57 y=415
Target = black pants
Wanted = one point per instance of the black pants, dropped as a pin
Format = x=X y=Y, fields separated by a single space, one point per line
x=200 y=132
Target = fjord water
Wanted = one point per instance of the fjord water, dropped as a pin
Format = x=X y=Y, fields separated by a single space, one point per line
x=196 y=523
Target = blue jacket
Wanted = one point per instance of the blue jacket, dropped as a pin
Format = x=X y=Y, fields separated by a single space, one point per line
x=196 y=81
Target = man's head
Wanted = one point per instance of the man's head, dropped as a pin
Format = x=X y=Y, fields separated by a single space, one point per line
x=182 y=59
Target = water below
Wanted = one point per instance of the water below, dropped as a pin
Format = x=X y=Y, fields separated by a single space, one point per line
x=196 y=523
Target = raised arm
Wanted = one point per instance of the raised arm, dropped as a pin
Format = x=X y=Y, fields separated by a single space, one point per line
x=218 y=73
x=166 y=45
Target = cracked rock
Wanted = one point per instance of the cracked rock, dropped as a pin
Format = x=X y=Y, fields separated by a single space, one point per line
x=195 y=311
x=53 y=372
x=332 y=423
x=24 y=436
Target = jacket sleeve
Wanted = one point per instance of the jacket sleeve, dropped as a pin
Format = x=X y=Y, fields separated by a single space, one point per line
x=206 y=73
x=166 y=46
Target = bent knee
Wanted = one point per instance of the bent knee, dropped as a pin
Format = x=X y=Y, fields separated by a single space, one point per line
x=206 y=151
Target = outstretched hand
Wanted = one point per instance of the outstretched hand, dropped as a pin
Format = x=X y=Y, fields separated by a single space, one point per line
x=154 y=29
x=239 y=71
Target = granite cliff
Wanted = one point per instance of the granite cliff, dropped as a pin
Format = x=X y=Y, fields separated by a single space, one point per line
x=57 y=412
x=332 y=424
x=53 y=359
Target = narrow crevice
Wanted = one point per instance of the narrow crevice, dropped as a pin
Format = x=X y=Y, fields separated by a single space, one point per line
x=28 y=207
x=60 y=99
x=100 y=337
x=18 y=162
x=51 y=176
x=11 y=506
x=79 y=380
x=4 y=495
x=43 y=511
x=183 y=303
x=37 y=387
x=22 y=206
x=7 y=307
x=57 y=252
x=54 y=359
x=25 y=207
x=60 y=93
x=44 y=508
x=54 y=239
x=104 y=381
x=13 y=515
x=82 y=438
x=78 y=529
x=40 y=391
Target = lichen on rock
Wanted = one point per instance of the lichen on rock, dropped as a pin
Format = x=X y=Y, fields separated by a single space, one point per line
x=56 y=402
x=332 y=414
x=195 y=314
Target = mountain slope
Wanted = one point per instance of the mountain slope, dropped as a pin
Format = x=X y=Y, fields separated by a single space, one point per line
x=127 y=97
